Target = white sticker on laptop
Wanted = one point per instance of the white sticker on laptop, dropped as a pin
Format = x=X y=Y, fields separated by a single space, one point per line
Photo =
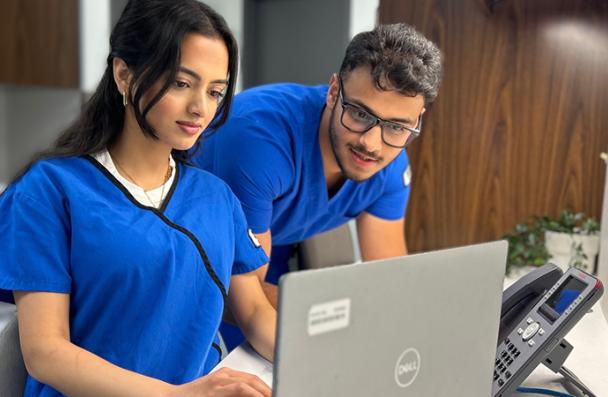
x=328 y=317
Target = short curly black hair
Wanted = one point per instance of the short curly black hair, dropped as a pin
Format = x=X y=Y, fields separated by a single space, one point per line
x=400 y=57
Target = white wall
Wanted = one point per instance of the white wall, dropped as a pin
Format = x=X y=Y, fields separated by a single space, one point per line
x=94 y=20
x=363 y=16
x=233 y=13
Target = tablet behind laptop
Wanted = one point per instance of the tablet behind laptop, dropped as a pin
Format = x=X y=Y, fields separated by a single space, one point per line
x=420 y=325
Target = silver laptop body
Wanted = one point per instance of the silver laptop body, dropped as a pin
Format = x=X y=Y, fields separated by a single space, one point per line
x=421 y=325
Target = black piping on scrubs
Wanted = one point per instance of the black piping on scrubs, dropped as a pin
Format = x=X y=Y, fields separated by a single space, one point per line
x=160 y=213
x=219 y=351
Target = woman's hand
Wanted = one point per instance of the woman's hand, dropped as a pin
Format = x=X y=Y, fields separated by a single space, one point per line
x=224 y=382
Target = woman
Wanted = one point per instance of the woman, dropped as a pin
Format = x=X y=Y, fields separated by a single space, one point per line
x=118 y=253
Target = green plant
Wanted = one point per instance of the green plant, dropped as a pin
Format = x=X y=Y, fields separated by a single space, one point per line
x=527 y=239
x=526 y=245
x=579 y=257
x=571 y=223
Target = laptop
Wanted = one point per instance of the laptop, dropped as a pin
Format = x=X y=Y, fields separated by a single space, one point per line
x=421 y=325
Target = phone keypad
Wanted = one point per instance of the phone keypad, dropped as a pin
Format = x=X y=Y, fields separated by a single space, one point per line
x=504 y=360
x=529 y=330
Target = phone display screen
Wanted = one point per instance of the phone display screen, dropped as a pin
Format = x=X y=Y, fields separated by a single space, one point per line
x=566 y=294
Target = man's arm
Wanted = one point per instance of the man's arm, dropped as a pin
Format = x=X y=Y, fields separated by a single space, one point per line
x=380 y=238
x=271 y=290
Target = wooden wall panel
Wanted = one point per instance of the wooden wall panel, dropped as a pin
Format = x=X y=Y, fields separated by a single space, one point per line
x=520 y=120
x=39 y=42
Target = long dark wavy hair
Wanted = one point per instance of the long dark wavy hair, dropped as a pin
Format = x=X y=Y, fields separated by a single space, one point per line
x=148 y=37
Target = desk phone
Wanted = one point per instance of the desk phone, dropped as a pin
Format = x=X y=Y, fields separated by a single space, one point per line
x=538 y=311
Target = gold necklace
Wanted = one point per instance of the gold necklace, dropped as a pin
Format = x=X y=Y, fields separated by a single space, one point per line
x=162 y=192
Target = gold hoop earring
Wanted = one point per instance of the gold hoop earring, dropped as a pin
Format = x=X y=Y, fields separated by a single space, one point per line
x=125 y=102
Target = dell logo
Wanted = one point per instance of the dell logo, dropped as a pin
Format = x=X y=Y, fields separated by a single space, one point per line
x=407 y=368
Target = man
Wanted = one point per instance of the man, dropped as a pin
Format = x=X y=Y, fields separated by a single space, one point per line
x=304 y=160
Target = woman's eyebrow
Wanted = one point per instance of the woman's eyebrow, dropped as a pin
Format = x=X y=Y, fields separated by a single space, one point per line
x=196 y=76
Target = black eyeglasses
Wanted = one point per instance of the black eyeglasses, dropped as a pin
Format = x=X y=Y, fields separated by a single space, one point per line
x=356 y=119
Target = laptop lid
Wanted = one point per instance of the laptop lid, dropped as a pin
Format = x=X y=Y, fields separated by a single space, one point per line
x=420 y=325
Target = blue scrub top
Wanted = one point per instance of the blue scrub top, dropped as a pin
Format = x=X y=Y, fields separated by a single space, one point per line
x=147 y=287
x=276 y=170
x=268 y=152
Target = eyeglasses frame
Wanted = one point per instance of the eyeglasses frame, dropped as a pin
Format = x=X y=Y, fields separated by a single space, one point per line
x=415 y=132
